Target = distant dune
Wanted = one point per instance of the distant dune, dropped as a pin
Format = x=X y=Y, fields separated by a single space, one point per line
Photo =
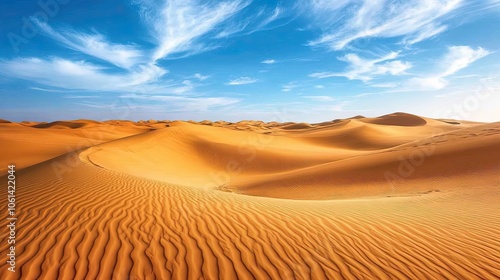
x=66 y=124
x=394 y=197
x=398 y=119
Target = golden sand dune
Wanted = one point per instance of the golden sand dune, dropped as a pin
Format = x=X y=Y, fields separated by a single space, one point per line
x=400 y=119
x=28 y=143
x=150 y=205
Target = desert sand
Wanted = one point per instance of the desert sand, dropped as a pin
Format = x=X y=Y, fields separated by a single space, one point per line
x=394 y=197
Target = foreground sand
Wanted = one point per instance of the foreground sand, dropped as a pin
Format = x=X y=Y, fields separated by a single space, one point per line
x=266 y=201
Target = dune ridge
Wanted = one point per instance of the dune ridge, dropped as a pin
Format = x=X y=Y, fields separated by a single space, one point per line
x=255 y=200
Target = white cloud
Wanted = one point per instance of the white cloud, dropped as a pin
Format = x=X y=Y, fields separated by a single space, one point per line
x=319 y=86
x=185 y=103
x=269 y=61
x=385 y=85
x=326 y=5
x=456 y=59
x=96 y=45
x=252 y=22
x=200 y=76
x=320 y=98
x=48 y=89
x=80 y=96
x=242 y=81
x=459 y=57
x=428 y=83
x=67 y=74
x=274 y=16
x=288 y=87
x=178 y=24
x=365 y=69
x=345 y=21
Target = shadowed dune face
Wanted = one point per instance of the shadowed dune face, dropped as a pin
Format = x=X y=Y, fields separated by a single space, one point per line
x=144 y=201
x=67 y=124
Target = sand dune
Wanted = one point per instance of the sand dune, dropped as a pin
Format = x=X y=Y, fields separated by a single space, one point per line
x=399 y=119
x=67 y=124
x=255 y=200
x=29 y=143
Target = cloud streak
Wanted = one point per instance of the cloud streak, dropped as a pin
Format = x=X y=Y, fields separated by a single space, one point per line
x=242 y=81
x=81 y=75
x=456 y=59
x=346 y=21
x=94 y=44
x=177 y=25
x=183 y=102
x=289 y=86
x=320 y=98
x=269 y=61
x=365 y=69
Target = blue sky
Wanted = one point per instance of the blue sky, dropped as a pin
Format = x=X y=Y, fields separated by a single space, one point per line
x=311 y=60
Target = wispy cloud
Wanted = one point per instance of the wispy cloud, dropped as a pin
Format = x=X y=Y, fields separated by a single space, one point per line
x=365 y=69
x=320 y=98
x=183 y=102
x=254 y=21
x=187 y=27
x=94 y=44
x=67 y=74
x=346 y=21
x=177 y=25
x=456 y=59
x=272 y=17
x=48 y=89
x=201 y=77
x=242 y=81
x=80 y=96
x=385 y=85
x=459 y=57
x=289 y=86
x=269 y=61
